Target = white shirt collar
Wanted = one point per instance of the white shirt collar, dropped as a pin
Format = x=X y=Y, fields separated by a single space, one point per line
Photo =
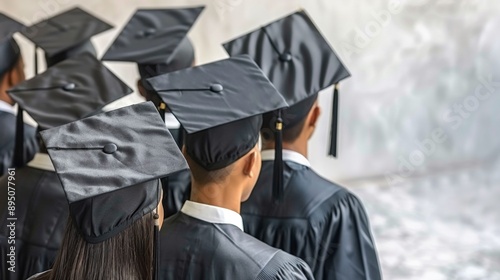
x=171 y=122
x=42 y=161
x=212 y=214
x=6 y=107
x=288 y=155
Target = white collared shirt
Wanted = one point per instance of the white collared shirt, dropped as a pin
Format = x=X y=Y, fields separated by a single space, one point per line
x=288 y=155
x=41 y=161
x=171 y=122
x=212 y=214
x=6 y=107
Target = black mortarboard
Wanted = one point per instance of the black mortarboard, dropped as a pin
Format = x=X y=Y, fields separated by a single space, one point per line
x=66 y=35
x=156 y=40
x=105 y=160
x=9 y=50
x=66 y=92
x=220 y=105
x=298 y=61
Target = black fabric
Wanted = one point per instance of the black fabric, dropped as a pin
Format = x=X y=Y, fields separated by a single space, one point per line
x=193 y=249
x=156 y=40
x=41 y=212
x=65 y=31
x=229 y=97
x=183 y=57
x=85 y=47
x=318 y=221
x=109 y=166
x=176 y=190
x=49 y=100
x=7 y=141
x=9 y=50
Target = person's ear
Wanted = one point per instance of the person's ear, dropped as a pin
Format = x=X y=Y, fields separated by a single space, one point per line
x=314 y=115
x=250 y=163
x=16 y=75
x=141 y=89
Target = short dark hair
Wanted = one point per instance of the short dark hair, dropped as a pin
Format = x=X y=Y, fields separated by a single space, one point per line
x=290 y=134
x=203 y=176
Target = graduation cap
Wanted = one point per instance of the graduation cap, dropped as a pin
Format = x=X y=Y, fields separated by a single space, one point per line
x=65 y=35
x=156 y=40
x=300 y=63
x=228 y=98
x=66 y=92
x=110 y=165
x=9 y=49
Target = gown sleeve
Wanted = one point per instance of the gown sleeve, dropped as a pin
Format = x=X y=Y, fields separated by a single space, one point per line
x=347 y=246
x=284 y=266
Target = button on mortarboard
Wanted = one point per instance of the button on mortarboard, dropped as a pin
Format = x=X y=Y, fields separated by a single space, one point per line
x=285 y=57
x=216 y=88
x=69 y=87
x=110 y=148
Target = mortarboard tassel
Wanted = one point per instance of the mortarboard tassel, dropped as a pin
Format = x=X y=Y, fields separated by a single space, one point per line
x=156 y=244
x=335 y=113
x=278 y=160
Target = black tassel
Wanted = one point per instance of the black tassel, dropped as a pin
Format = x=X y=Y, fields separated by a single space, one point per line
x=18 y=159
x=156 y=248
x=278 y=160
x=335 y=114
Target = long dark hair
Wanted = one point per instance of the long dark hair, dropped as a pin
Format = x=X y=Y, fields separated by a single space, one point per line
x=126 y=256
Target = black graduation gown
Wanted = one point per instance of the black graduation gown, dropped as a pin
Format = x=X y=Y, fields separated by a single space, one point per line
x=176 y=190
x=8 y=140
x=42 y=212
x=318 y=221
x=193 y=249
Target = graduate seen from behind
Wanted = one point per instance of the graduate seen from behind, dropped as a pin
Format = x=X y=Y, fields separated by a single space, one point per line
x=12 y=73
x=292 y=207
x=205 y=240
x=71 y=90
x=109 y=166
x=139 y=42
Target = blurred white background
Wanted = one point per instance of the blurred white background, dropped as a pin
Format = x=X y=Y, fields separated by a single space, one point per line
x=418 y=118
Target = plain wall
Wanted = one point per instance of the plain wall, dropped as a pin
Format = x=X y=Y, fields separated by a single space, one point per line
x=413 y=64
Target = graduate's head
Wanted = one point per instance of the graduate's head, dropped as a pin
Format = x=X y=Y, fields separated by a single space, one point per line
x=225 y=158
x=11 y=75
x=299 y=123
x=298 y=60
x=66 y=35
x=110 y=167
x=220 y=106
x=156 y=40
x=11 y=62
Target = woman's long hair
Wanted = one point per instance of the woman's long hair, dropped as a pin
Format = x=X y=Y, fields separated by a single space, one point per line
x=126 y=256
